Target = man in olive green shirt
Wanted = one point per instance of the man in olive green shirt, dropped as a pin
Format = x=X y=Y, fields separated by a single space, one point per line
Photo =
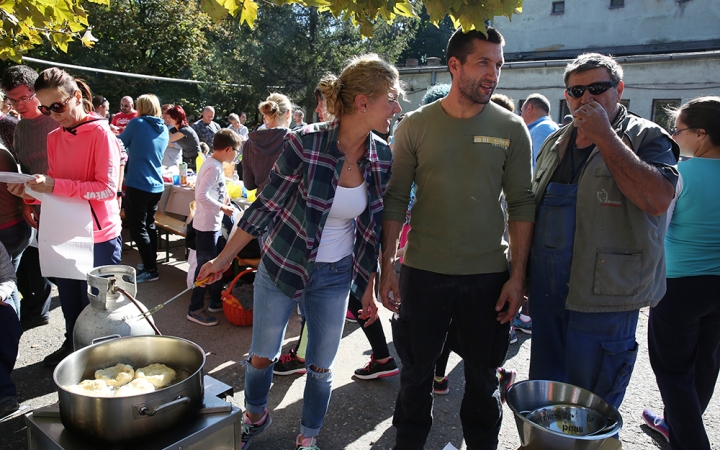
x=462 y=152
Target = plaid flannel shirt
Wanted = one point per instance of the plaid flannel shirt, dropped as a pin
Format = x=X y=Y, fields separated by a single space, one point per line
x=294 y=206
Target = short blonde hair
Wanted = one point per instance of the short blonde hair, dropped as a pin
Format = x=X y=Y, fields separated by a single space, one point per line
x=276 y=105
x=367 y=75
x=148 y=105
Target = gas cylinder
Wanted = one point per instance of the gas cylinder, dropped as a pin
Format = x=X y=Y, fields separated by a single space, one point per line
x=110 y=312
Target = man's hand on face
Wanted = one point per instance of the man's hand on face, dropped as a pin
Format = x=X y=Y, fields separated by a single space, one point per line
x=592 y=120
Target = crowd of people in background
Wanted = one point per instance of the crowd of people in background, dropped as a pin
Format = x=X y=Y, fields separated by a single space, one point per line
x=470 y=221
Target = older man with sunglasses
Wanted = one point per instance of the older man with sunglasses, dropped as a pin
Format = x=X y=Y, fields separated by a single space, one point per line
x=602 y=186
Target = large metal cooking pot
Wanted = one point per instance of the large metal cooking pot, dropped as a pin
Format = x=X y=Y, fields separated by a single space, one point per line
x=116 y=419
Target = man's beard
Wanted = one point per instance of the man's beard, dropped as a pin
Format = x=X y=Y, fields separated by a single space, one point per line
x=469 y=89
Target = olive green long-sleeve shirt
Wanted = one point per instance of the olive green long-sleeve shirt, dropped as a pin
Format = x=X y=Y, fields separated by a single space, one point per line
x=461 y=167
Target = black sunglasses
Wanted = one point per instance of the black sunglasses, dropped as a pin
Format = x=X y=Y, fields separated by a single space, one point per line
x=594 y=88
x=56 y=107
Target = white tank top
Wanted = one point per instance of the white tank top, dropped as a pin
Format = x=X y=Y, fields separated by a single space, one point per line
x=338 y=236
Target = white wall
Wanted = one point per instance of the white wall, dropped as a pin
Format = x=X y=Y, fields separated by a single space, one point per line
x=591 y=23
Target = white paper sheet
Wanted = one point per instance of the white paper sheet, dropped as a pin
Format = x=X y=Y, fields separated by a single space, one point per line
x=66 y=236
x=14 y=177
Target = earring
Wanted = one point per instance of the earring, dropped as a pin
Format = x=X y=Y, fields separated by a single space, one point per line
x=365 y=110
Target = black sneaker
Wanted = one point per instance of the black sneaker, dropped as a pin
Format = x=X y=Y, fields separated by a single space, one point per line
x=53 y=359
x=289 y=364
x=374 y=369
x=34 y=323
x=441 y=387
x=8 y=405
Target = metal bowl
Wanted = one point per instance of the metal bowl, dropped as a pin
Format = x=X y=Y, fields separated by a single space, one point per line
x=533 y=396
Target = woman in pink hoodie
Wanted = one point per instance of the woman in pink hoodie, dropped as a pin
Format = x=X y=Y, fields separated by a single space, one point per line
x=84 y=161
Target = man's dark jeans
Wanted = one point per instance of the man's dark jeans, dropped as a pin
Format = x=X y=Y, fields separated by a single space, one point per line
x=461 y=308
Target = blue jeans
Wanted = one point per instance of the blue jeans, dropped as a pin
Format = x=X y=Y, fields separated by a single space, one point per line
x=595 y=351
x=323 y=305
x=16 y=239
x=73 y=293
x=208 y=244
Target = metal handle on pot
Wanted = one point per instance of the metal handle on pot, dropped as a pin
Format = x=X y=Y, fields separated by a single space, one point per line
x=145 y=411
x=104 y=338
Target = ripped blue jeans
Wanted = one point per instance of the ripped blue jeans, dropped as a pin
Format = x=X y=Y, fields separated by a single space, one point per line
x=323 y=305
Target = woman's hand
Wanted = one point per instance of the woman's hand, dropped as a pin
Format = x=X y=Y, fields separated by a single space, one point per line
x=42 y=183
x=370 y=309
x=213 y=269
x=18 y=189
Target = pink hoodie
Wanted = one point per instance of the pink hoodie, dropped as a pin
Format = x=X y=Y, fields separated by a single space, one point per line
x=85 y=163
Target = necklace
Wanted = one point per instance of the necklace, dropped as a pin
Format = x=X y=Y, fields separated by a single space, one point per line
x=349 y=163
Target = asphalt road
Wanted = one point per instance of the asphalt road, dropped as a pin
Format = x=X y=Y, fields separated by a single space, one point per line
x=360 y=414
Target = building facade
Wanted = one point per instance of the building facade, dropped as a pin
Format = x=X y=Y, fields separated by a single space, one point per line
x=669 y=50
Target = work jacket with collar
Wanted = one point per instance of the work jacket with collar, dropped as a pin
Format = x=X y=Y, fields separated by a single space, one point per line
x=618 y=261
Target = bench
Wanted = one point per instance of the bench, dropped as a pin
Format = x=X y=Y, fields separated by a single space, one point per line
x=168 y=225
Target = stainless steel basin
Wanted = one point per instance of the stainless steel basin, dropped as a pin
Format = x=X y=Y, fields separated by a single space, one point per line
x=530 y=396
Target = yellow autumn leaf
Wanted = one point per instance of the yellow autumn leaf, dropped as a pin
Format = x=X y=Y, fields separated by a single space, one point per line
x=249 y=12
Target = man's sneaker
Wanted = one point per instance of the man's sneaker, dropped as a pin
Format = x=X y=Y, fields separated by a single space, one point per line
x=306 y=443
x=375 y=369
x=506 y=378
x=441 y=387
x=147 y=276
x=513 y=335
x=656 y=422
x=8 y=405
x=250 y=429
x=53 y=359
x=29 y=324
x=202 y=317
x=350 y=317
x=521 y=325
x=289 y=364
x=215 y=307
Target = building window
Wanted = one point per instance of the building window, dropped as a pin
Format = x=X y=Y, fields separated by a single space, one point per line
x=659 y=111
x=617 y=3
x=558 y=7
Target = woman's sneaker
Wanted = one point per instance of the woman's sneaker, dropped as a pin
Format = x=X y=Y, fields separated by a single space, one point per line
x=375 y=369
x=520 y=324
x=350 y=317
x=656 y=422
x=305 y=443
x=144 y=276
x=506 y=378
x=441 y=387
x=250 y=429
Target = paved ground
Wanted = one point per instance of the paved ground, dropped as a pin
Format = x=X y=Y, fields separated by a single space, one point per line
x=360 y=415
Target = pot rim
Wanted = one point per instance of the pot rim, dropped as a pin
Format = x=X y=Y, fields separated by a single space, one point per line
x=116 y=339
